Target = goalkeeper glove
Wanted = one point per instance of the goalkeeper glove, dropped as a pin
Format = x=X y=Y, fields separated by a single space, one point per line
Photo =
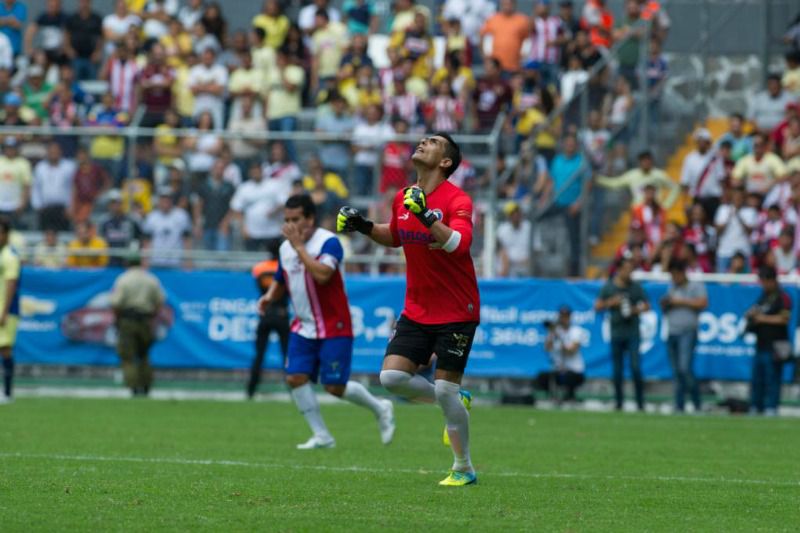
x=349 y=220
x=414 y=201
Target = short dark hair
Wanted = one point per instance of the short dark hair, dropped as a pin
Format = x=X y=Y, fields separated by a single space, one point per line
x=451 y=152
x=676 y=265
x=767 y=272
x=645 y=154
x=302 y=201
x=5 y=225
x=323 y=13
x=260 y=33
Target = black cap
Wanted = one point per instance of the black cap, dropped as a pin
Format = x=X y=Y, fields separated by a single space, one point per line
x=565 y=310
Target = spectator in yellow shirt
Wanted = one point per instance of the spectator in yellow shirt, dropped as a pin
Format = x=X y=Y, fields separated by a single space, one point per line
x=640 y=177
x=84 y=243
x=177 y=44
x=166 y=143
x=328 y=44
x=330 y=180
x=15 y=180
x=274 y=23
x=536 y=116
x=762 y=169
x=49 y=253
x=416 y=43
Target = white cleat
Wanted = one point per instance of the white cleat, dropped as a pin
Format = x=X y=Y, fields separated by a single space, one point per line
x=6 y=399
x=386 y=422
x=316 y=442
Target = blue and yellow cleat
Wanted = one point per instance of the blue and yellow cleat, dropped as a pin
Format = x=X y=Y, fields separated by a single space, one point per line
x=466 y=399
x=459 y=479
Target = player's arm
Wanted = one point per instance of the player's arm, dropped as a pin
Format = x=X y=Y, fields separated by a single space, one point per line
x=455 y=238
x=11 y=281
x=276 y=291
x=321 y=269
x=350 y=219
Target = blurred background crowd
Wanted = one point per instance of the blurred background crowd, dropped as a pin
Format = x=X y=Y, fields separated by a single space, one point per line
x=158 y=124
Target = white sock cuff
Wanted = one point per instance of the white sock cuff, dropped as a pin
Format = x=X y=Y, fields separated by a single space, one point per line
x=444 y=387
x=395 y=378
x=304 y=397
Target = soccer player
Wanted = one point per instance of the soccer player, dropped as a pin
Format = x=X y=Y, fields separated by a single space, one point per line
x=321 y=341
x=9 y=307
x=432 y=221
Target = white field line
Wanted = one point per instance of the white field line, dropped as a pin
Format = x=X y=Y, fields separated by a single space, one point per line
x=369 y=470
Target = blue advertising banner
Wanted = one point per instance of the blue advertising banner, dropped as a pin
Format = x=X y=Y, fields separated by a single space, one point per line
x=210 y=322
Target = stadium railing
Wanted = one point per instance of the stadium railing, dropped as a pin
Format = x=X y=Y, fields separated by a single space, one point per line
x=480 y=149
x=637 y=116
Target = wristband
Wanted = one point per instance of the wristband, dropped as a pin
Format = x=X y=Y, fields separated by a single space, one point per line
x=452 y=242
x=427 y=217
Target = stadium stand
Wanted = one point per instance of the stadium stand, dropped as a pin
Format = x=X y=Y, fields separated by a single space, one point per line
x=161 y=93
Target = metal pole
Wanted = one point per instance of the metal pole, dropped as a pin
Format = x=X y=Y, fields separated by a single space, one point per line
x=585 y=214
x=765 y=47
x=490 y=221
x=705 y=34
x=130 y=137
x=644 y=99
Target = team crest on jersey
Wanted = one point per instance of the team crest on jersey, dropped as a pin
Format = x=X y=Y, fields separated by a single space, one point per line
x=438 y=214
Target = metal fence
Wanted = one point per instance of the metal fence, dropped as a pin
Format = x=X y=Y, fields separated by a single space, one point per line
x=480 y=151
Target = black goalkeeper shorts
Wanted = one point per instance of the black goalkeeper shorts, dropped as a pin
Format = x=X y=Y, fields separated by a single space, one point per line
x=450 y=342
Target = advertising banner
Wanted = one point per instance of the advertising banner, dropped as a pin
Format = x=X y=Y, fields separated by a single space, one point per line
x=210 y=322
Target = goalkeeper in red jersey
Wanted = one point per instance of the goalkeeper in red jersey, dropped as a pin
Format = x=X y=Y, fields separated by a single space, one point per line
x=432 y=221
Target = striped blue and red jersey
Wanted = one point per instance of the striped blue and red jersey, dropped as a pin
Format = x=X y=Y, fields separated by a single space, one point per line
x=321 y=311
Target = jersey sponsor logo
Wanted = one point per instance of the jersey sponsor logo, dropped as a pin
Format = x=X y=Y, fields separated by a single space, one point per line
x=415 y=237
x=404 y=216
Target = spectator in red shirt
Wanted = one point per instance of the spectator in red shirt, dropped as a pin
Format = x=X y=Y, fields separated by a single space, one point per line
x=63 y=115
x=650 y=215
x=444 y=111
x=599 y=21
x=396 y=160
x=155 y=86
x=89 y=182
x=701 y=236
x=491 y=96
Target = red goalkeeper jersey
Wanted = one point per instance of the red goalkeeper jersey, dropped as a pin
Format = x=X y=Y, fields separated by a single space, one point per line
x=441 y=287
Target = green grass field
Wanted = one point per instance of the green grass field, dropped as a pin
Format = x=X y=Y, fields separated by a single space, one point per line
x=113 y=465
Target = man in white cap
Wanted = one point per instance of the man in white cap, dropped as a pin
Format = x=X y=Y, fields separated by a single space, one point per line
x=15 y=181
x=703 y=173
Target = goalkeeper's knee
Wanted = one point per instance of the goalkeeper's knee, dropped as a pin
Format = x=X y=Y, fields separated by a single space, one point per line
x=395 y=381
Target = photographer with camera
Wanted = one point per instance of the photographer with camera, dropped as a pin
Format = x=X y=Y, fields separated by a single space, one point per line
x=682 y=306
x=625 y=300
x=769 y=319
x=563 y=343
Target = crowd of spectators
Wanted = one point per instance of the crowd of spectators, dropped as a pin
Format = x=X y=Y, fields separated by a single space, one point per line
x=742 y=192
x=176 y=68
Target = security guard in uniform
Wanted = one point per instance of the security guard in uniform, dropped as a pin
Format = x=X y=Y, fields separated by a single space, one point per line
x=136 y=299
x=275 y=318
